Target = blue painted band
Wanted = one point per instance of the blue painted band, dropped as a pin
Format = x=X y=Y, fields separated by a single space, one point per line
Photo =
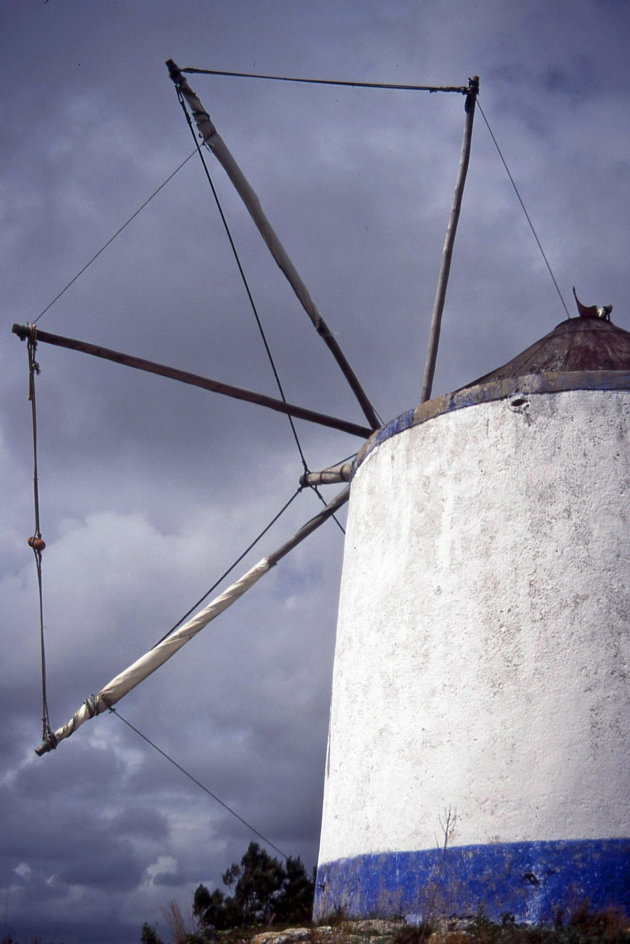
x=534 y=882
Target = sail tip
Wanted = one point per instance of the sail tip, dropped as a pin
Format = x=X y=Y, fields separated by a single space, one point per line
x=173 y=69
x=48 y=744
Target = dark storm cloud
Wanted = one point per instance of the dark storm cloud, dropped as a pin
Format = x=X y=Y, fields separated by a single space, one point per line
x=150 y=490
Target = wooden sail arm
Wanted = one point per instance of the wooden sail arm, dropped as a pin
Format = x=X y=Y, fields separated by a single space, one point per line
x=130 y=677
x=449 y=242
x=237 y=393
x=217 y=145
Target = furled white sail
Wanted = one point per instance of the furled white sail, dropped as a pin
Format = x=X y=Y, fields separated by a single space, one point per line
x=154 y=658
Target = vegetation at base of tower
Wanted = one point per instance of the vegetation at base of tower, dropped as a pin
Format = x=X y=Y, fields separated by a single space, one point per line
x=264 y=890
x=582 y=926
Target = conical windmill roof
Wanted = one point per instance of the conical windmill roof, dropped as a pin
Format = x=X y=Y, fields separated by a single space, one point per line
x=584 y=353
x=578 y=344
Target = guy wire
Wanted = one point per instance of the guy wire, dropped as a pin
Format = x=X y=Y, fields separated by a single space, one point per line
x=252 y=303
x=461 y=89
x=527 y=216
x=35 y=541
x=230 y=568
x=112 y=238
x=199 y=784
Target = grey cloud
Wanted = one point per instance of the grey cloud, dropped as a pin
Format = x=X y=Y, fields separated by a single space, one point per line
x=150 y=490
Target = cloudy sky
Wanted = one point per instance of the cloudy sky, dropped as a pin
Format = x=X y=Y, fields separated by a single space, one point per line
x=149 y=490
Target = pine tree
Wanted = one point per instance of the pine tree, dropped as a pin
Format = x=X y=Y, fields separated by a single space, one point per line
x=263 y=890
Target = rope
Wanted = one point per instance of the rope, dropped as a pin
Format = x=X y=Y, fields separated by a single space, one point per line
x=461 y=89
x=180 y=99
x=324 y=502
x=230 y=568
x=199 y=784
x=112 y=238
x=36 y=542
x=527 y=216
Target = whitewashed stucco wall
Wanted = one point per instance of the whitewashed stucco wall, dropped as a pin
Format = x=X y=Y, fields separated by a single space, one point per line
x=483 y=642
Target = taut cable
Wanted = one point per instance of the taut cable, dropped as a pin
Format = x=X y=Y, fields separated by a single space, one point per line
x=36 y=542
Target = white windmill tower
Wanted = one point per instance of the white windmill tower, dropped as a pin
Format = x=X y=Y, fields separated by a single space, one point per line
x=483 y=646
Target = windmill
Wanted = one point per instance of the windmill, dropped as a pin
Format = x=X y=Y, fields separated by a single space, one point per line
x=375 y=864
x=478 y=746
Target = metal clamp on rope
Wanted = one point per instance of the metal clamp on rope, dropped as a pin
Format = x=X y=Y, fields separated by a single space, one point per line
x=48 y=744
x=91 y=703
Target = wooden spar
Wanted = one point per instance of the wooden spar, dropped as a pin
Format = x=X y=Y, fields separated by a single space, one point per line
x=237 y=393
x=447 y=252
x=130 y=677
x=212 y=138
x=336 y=473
